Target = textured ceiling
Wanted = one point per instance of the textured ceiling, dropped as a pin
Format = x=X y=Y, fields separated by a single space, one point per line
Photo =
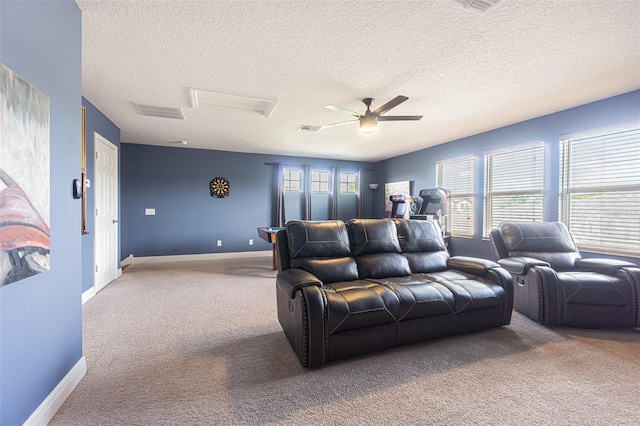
x=465 y=72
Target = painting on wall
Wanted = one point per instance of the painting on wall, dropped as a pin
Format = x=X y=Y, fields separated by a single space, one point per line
x=24 y=179
x=395 y=188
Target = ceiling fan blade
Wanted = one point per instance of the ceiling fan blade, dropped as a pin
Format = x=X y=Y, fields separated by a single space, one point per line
x=399 y=117
x=338 y=124
x=340 y=109
x=391 y=104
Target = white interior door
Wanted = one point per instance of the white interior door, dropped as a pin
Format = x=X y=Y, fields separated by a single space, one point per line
x=106 y=211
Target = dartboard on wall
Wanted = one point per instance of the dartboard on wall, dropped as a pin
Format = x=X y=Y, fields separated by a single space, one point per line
x=219 y=187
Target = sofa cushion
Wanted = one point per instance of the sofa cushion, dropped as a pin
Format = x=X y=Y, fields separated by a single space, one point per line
x=537 y=236
x=422 y=244
x=588 y=288
x=329 y=270
x=547 y=241
x=382 y=265
x=427 y=261
x=419 y=236
x=317 y=239
x=419 y=297
x=470 y=292
x=359 y=304
x=369 y=236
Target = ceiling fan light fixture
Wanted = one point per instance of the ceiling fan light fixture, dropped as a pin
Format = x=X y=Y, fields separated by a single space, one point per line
x=368 y=123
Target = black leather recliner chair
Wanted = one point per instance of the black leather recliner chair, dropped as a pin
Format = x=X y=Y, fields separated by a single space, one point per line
x=553 y=284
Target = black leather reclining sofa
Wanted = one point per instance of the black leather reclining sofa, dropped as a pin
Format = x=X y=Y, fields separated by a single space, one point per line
x=370 y=284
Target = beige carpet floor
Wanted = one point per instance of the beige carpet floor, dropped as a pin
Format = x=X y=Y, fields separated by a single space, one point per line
x=199 y=343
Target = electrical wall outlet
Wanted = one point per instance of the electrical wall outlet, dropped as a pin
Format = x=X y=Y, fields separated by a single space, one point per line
x=219 y=243
x=150 y=212
x=250 y=241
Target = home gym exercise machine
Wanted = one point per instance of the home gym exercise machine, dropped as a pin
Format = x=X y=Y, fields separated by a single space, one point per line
x=431 y=203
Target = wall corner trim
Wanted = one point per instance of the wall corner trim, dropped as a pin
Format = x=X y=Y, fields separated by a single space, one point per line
x=52 y=403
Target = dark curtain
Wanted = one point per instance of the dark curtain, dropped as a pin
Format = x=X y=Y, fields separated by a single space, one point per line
x=278 y=215
x=307 y=192
x=333 y=194
x=359 y=196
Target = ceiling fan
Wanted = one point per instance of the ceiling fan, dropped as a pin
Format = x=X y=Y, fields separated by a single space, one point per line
x=369 y=120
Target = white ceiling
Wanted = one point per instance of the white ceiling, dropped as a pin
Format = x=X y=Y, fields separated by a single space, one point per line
x=465 y=72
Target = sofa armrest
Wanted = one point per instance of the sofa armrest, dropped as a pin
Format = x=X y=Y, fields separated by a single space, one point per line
x=292 y=280
x=602 y=266
x=471 y=265
x=520 y=265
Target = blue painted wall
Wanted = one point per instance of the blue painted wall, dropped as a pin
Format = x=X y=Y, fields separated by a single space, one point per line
x=175 y=182
x=420 y=166
x=41 y=316
x=95 y=122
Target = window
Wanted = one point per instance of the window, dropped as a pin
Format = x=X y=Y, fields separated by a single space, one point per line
x=514 y=184
x=349 y=182
x=458 y=176
x=292 y=179
x=319 y=181
x=600 y=190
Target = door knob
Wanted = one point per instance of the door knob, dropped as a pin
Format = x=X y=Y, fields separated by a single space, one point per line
x=114 y=221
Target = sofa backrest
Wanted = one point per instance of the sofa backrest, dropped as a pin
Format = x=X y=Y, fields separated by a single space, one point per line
x=375 y=246
x=321 y=248
x=547 y=241
x=422 y=244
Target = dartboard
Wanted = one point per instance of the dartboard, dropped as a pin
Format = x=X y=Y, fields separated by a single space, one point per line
x=219 y=187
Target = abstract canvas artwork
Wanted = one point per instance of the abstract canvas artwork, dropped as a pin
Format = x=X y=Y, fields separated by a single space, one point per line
x=24 y=179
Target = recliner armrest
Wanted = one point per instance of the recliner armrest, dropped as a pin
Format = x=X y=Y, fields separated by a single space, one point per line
x=471 y=265
x=602 y=266
x=292 y=280
x=520 y=265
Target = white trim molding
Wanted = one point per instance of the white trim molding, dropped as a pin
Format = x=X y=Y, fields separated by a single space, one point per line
x=87 y=295
x=52 y=403
x=130 y=260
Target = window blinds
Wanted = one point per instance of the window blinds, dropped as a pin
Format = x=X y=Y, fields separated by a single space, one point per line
x=514 y=184
x=458 y=176
x=600 y=190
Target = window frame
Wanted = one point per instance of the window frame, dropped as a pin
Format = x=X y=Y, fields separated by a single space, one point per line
x=455 y=196
x=316 y=179
x=600 y=231
x=287 y=180
x=355 y=183
x=490 y=194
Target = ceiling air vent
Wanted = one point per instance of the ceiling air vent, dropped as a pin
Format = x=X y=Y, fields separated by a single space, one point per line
x=309 y=129
x=479 y=6
x=158 y=111
x=206 y=98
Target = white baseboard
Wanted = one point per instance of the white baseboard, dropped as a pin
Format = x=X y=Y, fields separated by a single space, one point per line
x=87 y=295
x=126 y=261
x=188 y=257
x=52 y=403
